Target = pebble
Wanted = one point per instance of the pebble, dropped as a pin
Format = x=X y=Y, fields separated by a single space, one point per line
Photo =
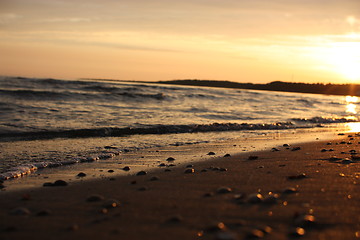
x=223 y=190
x=346 y=161
x=294 y=177
x=57 y=183
x=286 y=145
x=111 y=171
x=141 y=173
x=60 y=183
x=255 y=198
x=208 y=194
x=256 y=233
x=190 y=170
x=170 y=159
x=111 y=203
x=43 y=213
x=275 y=150
x=297 y=232
x=162 y=165
x=81 y=174
x=296 y=149
x=290 y=190
x=271 y=199
x=175 y=219
x=211 y=153
x=189 y=166
x=227 y=155
x=20 y=211
x=220 y=226
x=95 y=198
x=305 y=220
x=126 y=168
x=155 y=178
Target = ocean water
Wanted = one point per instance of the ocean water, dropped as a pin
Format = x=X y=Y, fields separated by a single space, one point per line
x=145 y=115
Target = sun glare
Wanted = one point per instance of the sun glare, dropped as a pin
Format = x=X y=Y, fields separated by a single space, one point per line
x=345 y=58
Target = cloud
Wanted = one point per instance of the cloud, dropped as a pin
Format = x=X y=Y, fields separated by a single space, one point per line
x=6 y=18
x=64 y=20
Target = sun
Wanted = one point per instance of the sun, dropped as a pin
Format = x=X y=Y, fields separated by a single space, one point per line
x=345 y=59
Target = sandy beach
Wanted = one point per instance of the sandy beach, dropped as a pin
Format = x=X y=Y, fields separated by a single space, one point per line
x=308 y=190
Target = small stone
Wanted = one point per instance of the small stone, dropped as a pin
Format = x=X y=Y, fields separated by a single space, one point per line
x=20 y=211
x=323 y=150
x=271 y=199
x=81 y=174
x=208 y=194
x=346 y=161
x=297 y=232
x=162 y=165
x=305 y=220
x=255 y=198
x=142 y=189
x=220 y=226
x=223 y=169
x=253 y=157
x=155 y=178
x=223 y=190
x=227 y=155
x=190 y=170
x=175 y=219
x=111 y=203
x=295 y=177
x=290 y=190
x=211 y=153
x=286 y=145
x=95 y=198
x=126 y=168
x=111 y=171
x=43 y=213
x=275 y=150
x=296 y=149
x=60 y=183
x=189 y=166
x=170 y=159
x=256 y=233
x=141 y=173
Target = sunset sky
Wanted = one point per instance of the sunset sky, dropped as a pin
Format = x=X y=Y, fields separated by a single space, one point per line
x=237 y=40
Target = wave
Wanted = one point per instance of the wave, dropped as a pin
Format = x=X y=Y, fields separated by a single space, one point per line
x=154 y=129
x=326 y=120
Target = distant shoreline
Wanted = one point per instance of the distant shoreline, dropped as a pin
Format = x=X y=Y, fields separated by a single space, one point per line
x=279 y=86
x=313 y=88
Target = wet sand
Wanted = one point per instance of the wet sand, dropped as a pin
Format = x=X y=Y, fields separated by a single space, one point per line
x=304 y=190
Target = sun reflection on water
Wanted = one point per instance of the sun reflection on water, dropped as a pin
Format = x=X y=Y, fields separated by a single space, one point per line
x=350 y=106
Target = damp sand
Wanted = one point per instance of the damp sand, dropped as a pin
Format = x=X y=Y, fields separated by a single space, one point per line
x=309 y=190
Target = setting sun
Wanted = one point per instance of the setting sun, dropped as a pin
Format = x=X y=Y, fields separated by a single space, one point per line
x=345 y=58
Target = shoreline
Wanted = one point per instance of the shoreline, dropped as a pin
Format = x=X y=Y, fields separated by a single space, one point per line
x=147 y=159
x=216 y=200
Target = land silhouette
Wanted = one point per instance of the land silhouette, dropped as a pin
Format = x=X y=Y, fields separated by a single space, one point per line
x=316 y=88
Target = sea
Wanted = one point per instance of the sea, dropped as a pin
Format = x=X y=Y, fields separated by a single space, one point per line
x=139 y=115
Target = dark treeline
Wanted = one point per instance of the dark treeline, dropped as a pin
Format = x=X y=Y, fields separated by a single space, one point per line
x=318 y=88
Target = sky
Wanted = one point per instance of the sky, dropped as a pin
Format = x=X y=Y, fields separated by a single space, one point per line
x=255 y=41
